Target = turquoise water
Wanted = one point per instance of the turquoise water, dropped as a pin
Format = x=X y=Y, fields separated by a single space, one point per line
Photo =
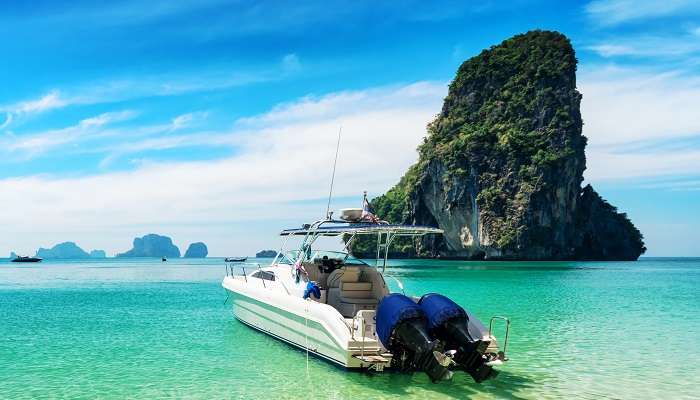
x=146 y=329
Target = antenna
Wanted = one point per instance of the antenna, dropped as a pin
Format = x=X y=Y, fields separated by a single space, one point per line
x=330 y=193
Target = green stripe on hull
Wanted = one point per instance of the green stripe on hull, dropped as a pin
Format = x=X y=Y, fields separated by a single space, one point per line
x=285 y=328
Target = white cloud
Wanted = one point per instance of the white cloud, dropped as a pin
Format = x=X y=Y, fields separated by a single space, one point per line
x=31 y=145
x=47 y=102
x=283 y=161
x=108 y=118
x=613 y=12
x=337 y=104
x=185 y=120
x=608 y=164
x=164 y=84
x=181 y=121
x=624 y=109
x=623 y=105
x=648 y=46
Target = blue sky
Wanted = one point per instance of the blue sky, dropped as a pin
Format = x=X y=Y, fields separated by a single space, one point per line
x=216 y=120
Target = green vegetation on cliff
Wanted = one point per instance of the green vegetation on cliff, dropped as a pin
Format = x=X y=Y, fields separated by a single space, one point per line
x=501 y=167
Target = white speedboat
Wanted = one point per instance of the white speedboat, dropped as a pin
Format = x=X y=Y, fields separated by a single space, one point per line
x=340 y=308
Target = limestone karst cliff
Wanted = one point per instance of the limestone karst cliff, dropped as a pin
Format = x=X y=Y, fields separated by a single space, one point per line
x=196 y=250
x=65 y=250
x=152 y=245
x=266 y=254
x=502 y=165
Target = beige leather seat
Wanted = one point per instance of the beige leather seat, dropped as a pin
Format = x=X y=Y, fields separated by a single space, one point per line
x=348 y=294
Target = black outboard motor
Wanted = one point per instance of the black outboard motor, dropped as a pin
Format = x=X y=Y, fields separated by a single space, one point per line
x=401 y=326
x=449 y=323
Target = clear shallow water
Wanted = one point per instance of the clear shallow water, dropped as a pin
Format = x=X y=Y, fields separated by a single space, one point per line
x=145 y=329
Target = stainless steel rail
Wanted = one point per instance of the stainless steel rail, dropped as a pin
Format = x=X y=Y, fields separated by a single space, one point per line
x=501 y=354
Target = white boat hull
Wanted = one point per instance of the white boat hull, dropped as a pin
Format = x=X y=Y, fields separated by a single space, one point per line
x=308 y=325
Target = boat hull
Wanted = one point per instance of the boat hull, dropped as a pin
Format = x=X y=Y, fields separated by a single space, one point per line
x=308 y=325
x=27 y=260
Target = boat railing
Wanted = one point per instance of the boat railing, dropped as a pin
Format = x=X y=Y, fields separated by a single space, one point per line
x=234 y=269
x=501 y=354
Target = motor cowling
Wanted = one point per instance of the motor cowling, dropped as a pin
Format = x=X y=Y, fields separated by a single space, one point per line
x=449 y=323
x=402 y=329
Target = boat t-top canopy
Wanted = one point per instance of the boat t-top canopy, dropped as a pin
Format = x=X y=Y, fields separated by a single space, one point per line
x=361 y=229
x=385 y=233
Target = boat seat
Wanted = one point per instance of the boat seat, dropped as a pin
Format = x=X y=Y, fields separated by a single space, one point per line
x=348 y=294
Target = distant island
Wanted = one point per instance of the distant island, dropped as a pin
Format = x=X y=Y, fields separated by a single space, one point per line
x=501 y=168
x=266 y=254
x=152 y=245
x=68 y=250
x=196 y=250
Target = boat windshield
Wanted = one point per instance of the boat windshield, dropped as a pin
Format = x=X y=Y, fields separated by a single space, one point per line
x=292 y=256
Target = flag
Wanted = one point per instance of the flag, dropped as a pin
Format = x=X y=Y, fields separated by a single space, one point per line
x=367 y=214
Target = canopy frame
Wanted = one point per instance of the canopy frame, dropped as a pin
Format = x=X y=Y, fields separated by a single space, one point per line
x=386 y=233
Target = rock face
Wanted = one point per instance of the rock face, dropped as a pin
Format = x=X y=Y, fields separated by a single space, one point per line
x=266 y=254
x=98 y=254
x=152 y=245
x=63 y=250
x=196 y=250
x=605 y=233
x=501 y=168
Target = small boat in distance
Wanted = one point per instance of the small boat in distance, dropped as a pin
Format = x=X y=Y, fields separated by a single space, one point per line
x=235 y=259
x=26 y=259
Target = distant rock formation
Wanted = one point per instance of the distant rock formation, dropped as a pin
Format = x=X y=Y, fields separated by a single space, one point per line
x=68 y=250
x=152 y=245
x=197 y=250
x=98 y=254
x=266 y=254
x=63 y=250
